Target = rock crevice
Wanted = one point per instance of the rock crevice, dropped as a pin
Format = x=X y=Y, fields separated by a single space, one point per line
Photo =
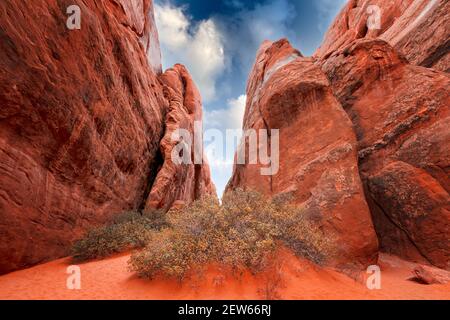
x=82 y=120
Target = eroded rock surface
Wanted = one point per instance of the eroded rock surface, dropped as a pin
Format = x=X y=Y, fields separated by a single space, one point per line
x=181 y=183
x=318 y=162
x=81 y=119
x=399 y=113
x=394 y=91
x=418 y=29
x=418 y=205
x=429 y=275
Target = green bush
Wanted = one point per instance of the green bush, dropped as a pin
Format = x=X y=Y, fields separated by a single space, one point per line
x=242 y=233
x=125 y=231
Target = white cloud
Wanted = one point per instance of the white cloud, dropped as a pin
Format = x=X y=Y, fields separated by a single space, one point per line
x=199 y=47
x=221 y=120
x=172 y=26
x=248 y=28
x=269 y=21
x=328 y=10
x=229 y=118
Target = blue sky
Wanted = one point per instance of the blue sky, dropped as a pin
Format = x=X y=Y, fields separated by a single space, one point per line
x=217 y=41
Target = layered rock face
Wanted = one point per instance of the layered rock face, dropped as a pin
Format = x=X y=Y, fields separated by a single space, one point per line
x=418 y=29
x=391 y=84
x=318 y=163
x=140 y=18
x=82 y=116
x=399 y=112
x=179 y=184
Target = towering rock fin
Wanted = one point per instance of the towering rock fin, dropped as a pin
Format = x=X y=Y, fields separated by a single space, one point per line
x=178 y=184
x=318 y=151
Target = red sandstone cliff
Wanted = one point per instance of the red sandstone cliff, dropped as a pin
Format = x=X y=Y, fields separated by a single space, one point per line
x=82 y=116
x=400 y=111
x=418 y=29
x=394 y=138
x=87 y=117
x=318 y=152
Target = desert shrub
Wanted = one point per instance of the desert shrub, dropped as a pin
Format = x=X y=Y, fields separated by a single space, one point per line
x=300 y=234
x=123 y=232
x=242 y=233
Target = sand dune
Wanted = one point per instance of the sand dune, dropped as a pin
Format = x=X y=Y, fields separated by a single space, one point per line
x=110 y=279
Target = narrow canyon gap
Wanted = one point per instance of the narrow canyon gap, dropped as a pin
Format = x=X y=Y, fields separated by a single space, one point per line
x=87 y=116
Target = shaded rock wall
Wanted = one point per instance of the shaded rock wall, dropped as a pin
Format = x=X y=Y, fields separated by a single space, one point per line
x=181 y=184
x=391 y=85
x=81 y=119
x=399 y=113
